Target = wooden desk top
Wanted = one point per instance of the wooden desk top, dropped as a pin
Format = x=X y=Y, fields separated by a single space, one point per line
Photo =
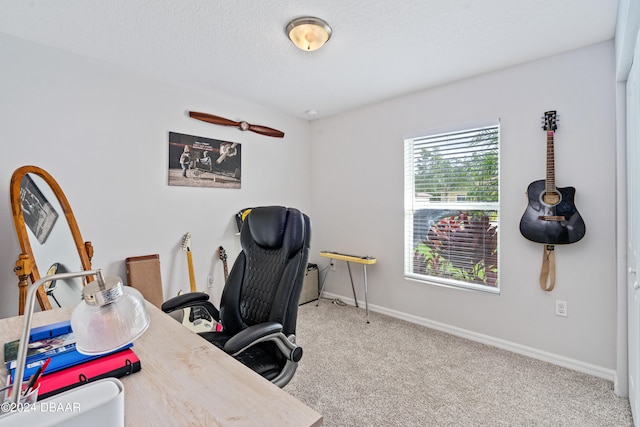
x=350 y=258
x=185 y=381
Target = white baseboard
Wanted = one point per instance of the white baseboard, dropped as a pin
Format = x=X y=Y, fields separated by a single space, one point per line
x=524 y=350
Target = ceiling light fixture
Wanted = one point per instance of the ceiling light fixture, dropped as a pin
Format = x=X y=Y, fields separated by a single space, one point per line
x=308 y=33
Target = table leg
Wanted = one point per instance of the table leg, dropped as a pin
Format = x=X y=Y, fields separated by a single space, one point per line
x=353 y=288
x=366 y=291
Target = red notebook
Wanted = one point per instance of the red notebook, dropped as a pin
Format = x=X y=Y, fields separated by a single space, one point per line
x=116 y=365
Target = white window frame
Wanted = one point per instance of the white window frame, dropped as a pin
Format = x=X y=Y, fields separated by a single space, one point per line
x=412 y=205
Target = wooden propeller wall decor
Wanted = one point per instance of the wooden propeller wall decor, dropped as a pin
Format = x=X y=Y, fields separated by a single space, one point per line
x=217 y=120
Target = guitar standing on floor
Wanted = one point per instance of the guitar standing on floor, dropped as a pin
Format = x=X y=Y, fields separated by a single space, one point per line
x=222 y=254
x=186 y=246
x=196 y=318
x=551 y=216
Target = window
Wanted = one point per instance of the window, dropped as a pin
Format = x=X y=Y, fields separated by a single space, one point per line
x=452 y=208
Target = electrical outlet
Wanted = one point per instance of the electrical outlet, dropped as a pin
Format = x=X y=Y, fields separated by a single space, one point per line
x=333 y=265
x=561 y=308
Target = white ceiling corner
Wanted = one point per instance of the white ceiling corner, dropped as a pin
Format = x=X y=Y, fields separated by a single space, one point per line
x=379 y=49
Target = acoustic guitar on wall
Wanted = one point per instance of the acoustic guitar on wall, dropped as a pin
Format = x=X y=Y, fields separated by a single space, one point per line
x=551 y=216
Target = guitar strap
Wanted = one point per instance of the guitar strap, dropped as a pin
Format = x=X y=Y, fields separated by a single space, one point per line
x=548 y=271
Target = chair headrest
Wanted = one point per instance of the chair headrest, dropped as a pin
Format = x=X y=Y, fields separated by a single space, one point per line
x=267 y=225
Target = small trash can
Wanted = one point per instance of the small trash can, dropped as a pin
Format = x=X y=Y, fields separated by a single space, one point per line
x=310 y=288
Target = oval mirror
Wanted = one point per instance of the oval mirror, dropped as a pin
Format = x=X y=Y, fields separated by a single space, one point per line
x=49 y=238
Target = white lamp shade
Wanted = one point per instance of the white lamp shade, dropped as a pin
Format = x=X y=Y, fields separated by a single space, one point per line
x=102 y=329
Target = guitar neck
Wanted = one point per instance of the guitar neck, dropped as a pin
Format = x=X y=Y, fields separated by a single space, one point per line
x=222 y=254
x=192 y=275
x=551 y=164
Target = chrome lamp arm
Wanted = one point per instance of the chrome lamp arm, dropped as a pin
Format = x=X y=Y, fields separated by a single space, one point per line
x=28 y=316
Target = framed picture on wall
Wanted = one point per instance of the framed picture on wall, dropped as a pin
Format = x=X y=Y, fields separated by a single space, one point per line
x=39 y=215
x=203 y=162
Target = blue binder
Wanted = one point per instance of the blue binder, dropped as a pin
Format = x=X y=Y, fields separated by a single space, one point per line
x=50 y=331
x=61 y=358
x=61 y=361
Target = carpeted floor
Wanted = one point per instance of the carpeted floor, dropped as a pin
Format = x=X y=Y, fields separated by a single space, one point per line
x=395 y=373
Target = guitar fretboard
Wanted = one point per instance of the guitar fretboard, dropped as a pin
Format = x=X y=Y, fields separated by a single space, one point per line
x=551 y=164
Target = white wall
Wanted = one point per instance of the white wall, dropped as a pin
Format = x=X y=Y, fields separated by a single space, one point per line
x=102 y=133
x=357 y=202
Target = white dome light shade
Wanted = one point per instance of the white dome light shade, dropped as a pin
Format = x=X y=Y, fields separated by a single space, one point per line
x=309 y=33
x=109 y=317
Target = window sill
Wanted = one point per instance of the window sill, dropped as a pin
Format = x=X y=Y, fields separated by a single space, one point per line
x=452 y=284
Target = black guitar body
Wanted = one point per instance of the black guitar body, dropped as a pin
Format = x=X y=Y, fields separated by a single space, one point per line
x=552 y=230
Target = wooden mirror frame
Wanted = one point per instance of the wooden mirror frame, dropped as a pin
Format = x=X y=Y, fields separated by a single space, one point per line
x=26 y=263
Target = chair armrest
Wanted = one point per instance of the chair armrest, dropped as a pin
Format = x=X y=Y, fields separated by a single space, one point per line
x=268 y=331
x=189 y=300
x=183 y=300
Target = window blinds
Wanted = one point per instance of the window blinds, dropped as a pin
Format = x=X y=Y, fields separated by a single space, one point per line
x=452 y=207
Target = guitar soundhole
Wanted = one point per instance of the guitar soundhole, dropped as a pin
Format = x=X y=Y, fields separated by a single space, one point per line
x=551 y=198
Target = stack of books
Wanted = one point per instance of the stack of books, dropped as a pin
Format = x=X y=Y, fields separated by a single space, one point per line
x=54 y=347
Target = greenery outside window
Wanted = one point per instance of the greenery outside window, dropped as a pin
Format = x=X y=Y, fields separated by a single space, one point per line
x=452 y=208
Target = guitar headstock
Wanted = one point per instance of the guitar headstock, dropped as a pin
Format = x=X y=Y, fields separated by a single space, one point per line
x=186 y=242
x=222 y=254
x=550 y=121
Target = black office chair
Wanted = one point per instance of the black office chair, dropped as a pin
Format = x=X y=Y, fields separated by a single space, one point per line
x=259 y=304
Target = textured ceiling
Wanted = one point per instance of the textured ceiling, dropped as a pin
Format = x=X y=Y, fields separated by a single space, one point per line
x=379 y=49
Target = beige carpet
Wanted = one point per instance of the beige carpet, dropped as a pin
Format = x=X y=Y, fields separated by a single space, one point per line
x=395 y=373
